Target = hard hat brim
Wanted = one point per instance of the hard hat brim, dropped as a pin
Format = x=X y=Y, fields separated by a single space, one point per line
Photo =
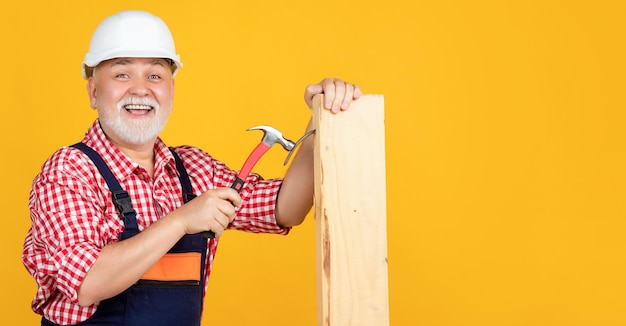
x=92 y=60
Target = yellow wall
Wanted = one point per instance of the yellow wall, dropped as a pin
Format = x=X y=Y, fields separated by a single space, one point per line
x=505 y=145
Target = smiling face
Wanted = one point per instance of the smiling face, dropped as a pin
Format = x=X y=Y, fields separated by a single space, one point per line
x=133 y=97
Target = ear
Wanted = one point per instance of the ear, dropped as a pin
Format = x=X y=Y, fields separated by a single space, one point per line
x=91 y=92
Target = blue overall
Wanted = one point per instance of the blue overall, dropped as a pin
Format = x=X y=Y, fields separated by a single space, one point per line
x=150 y=302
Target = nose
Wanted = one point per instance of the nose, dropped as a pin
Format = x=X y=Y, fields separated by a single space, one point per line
x=139 y=87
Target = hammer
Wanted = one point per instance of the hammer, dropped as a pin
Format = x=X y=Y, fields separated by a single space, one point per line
x=271 y=136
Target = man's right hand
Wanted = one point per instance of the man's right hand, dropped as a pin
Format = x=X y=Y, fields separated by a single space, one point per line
x=213 y=210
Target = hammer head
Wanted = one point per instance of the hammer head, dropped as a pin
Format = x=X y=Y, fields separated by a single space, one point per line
x=272 y=136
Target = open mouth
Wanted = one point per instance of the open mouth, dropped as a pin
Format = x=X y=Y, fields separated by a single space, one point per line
x=138 y=109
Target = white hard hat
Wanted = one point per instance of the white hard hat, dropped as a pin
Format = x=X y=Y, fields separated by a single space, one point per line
x=131 y=33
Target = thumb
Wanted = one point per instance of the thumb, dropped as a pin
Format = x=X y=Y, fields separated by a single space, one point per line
x=311 y=91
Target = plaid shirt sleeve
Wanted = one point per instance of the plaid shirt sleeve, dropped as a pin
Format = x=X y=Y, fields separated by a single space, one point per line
x=257 y=213
x=68 y=230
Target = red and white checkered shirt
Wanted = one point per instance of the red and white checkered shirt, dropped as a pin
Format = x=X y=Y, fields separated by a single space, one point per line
x=73 y=215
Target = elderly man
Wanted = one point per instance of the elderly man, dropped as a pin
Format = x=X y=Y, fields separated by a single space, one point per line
x=116 y=238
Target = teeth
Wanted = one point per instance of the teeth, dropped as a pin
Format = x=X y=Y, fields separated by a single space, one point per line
x=137 y=107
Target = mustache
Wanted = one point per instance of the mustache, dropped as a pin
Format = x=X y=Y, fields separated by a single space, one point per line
x=137 y=101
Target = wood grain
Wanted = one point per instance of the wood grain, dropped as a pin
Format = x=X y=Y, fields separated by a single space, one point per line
x=350 y=213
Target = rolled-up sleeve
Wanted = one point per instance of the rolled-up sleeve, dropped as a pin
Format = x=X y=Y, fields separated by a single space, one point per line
x=259 y=196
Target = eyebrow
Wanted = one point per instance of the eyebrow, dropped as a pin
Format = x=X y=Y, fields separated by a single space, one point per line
x=124 y=61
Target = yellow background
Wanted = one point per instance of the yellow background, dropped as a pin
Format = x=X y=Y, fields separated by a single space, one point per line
x=504 y=133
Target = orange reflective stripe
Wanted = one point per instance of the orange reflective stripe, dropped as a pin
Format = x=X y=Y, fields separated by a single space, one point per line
x=176 y=267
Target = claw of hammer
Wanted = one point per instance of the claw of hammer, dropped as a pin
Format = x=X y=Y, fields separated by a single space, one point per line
x=296 y=145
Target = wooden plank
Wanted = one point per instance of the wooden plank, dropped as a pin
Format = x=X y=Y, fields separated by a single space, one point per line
x=350 y=214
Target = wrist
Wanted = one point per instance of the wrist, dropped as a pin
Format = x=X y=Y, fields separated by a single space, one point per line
x=176 y=222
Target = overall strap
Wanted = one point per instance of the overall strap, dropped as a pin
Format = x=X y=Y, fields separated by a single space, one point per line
x=121 y=199
x=184 y=178
x=187 y=190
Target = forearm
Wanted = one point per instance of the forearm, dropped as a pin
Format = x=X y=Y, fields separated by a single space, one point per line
x=121 y=264
x=295 y=198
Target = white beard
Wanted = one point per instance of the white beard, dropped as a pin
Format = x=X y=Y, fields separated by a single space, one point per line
x=135 y=131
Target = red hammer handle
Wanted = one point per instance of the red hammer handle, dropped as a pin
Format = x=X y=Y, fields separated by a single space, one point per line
x=254 y=157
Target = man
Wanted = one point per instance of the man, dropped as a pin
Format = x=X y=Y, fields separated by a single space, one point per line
x=115 y=236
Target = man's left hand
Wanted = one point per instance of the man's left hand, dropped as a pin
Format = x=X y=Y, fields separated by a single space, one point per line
x=338 y=94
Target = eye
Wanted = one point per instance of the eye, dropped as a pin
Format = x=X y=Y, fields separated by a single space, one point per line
x=121 y=76
x=154 y=77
